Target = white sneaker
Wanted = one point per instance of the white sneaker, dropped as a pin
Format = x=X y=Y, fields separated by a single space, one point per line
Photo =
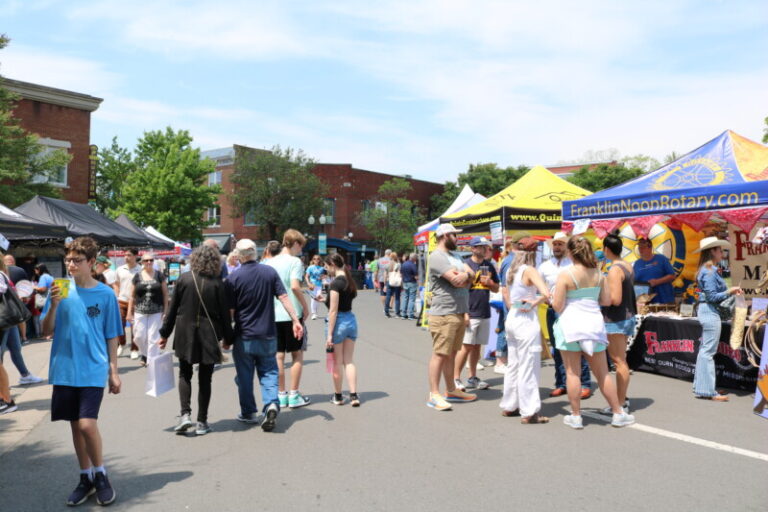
x=574 y=421
x=314 y=317
x=134 y=354
x=459 y=385
x=29 y=379
x=120 y=350
x=501 y=369
x=476 y=383
x=622 y=420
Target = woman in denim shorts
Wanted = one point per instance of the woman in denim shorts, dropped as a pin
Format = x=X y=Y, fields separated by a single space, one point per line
x=341 y=327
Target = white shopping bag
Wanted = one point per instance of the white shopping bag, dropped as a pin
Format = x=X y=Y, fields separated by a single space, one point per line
x=160 y=378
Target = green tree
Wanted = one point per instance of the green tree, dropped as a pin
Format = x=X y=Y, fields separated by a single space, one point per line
x=765 y=132
x=395 y=218
x=25 y=165
x=115 y=165
x=487 y=179
x=276 y=188
x=169 y=187
x=644 y=162
x=604 y=176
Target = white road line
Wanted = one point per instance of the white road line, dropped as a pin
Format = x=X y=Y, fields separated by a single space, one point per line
x=686 y=439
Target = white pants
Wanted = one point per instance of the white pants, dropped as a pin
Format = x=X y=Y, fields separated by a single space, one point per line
x=146 y=330
x=314 y=303
x=521 y=379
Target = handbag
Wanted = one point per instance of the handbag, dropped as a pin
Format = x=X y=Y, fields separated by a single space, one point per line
x=395 y=279
x=40 y=299
x=202 y=303
x=12 y=311
x=725 y=308
x=160 y=378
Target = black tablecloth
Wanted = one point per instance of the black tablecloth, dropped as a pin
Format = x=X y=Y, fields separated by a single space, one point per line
x=669 y=347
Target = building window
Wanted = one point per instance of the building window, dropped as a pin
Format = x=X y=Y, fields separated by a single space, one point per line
x=249 y=219
x=365 y=205
x=58 y=177
x=214 y=178
x=329 y=210
x=214 y=217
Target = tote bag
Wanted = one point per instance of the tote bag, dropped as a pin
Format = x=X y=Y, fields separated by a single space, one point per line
x=160 y=378
x=395 y=279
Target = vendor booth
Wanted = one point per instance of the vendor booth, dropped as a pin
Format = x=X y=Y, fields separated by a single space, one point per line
x=465 y=199
x=17 y=227
x=715 y=189
x=152 y=241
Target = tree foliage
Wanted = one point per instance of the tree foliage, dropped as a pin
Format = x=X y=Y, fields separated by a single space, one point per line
x=115 y=165
x=604 y=176
x=765 y=132
x=276 y=188
x=169 y=187
x=395 y=218
x=487 y=179
x=24 y=163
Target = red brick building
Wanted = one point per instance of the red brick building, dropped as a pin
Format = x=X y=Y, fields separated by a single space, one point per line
x=62 y=120
x=349 y=191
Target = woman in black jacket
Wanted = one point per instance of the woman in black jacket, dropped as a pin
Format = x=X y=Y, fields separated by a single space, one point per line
x=199 y=328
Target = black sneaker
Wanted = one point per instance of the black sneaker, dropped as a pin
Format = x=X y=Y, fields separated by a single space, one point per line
x=6 y=407
x=105 y=494
x=270 y=418
x=81 y=493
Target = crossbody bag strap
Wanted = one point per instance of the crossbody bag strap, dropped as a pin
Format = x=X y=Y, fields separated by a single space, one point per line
x=200 y=296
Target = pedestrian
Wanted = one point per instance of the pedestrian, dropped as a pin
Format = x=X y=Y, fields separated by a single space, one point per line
x=42 y=284
x=449 y=281
x=579 y=291
x=410 y=272
x=147 y=306
x=18 y=274
x=251 y=291
x=550 y=270
x=291 y=272
x=341 y=328
x=619 y=316
x=125 y=275
x=85 y=327
x=521 y=380
x=382 y=265
x=655 y=270
x=314 y=279
x=271 y=250
x=233 y=261
x=713 y=293
x=199 y=314
x=104 y=267
x=478 y=329
x=394 y=281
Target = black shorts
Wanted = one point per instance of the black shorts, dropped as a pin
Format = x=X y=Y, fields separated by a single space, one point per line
x=285 y=340
x=71 y=404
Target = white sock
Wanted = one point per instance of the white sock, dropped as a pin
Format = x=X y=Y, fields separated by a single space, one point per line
x=99 y=469
x=294 y=392
x=282 y=393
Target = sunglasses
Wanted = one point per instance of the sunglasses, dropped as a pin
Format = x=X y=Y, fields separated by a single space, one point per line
x=147 y=261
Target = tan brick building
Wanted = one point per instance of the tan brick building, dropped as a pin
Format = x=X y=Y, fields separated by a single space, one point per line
x=62 y=120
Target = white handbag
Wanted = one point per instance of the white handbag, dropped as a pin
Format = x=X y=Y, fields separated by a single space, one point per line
x=395 y=279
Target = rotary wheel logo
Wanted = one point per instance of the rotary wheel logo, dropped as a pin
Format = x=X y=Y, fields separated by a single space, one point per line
x=667 y=242
x=699 y=172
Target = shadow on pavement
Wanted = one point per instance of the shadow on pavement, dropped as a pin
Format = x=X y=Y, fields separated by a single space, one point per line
x=288 y=418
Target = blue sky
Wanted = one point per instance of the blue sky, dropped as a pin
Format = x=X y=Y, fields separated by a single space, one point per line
x=406 y=87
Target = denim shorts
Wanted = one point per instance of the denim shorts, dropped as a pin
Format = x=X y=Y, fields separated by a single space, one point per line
x=625 y=327
x=345 y=328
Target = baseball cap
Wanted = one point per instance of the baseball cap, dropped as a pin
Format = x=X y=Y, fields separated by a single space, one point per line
x=444 y=229
x=519 y=235
x=479 y=240
x=245 y=244
x=103 y=259
x=528 y=244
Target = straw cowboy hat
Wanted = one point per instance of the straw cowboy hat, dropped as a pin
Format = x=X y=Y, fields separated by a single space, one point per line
x=559 y=236
x=710 y=243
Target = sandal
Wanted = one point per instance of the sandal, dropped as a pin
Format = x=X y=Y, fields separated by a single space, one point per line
x=716 y=398
x=509 y=414
x=534 y=419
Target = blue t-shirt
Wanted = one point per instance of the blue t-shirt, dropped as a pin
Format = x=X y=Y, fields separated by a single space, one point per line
x=315 y=273
x=45 y=281
x=252 y=291
x=505 y=263
x=658 y=266
x=409 y=272
x=85 y=320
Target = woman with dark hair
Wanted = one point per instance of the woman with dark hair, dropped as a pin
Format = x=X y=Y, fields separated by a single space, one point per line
x=43 y=282
x=200 y=314
x=713 y=292
x=521 y=378
x=619 y=315
x=341 y=328
x=579 y=292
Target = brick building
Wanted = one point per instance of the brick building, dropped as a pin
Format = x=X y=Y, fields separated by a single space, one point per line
x=62 y=120
x=349 y=191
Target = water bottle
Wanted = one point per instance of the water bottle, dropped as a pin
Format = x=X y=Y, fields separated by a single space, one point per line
x=330 y=360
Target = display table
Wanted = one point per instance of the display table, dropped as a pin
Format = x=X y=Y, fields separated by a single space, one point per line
x=669 y=346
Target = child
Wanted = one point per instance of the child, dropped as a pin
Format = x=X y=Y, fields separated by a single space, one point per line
x=85 y=326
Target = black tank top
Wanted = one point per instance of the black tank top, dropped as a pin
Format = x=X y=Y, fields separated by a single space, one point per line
x=628 y=306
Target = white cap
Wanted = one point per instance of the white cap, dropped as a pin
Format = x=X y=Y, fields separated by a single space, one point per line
x=245 y=244
x=444 y=229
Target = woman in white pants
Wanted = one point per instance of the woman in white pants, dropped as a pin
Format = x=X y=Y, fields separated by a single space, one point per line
x=521 y=379
x=147 y=306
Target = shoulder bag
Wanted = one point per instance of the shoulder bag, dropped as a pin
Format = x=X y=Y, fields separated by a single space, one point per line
x=395 y=279
x=205 y=309
x=12 y=311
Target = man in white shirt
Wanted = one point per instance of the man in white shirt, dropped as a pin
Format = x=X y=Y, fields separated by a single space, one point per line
x=549 y=271
x=125 y=275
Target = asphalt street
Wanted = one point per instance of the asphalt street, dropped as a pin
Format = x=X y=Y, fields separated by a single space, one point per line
x=392 y=453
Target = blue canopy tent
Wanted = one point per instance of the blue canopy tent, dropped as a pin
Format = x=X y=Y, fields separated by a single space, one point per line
x=728 y=172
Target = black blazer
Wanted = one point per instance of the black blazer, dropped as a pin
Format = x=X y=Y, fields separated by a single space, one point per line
x=194 y=341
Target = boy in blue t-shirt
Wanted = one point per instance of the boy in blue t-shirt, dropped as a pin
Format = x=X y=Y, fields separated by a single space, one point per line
x=85 y=326
x=314 y=279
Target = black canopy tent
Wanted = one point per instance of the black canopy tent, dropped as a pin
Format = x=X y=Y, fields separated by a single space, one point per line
x=152 y=241
x=17 y=227
x=80 y=220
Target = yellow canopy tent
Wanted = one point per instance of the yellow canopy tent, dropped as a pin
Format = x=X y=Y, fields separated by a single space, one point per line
x=532 y=203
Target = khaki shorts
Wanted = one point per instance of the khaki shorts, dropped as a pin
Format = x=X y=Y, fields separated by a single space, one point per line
x=447 y=333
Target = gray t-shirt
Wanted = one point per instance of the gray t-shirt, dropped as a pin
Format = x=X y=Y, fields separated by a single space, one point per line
x=446 y=298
